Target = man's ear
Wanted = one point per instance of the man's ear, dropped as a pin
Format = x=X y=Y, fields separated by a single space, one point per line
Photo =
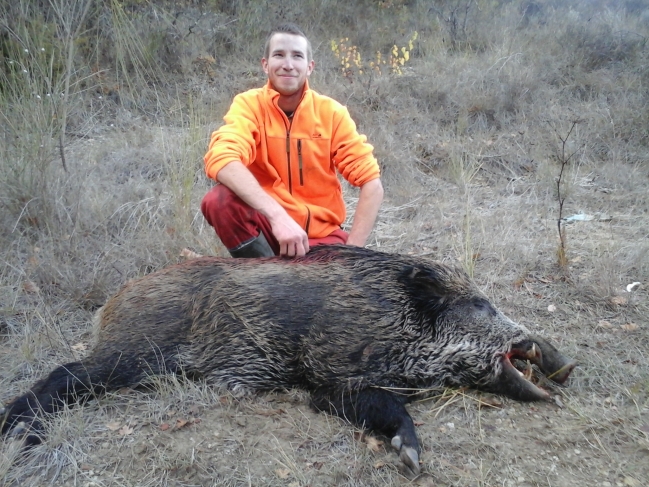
x=310 y=67
x=264 y=64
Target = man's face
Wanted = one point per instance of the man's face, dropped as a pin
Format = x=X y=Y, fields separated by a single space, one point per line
x=287 y=65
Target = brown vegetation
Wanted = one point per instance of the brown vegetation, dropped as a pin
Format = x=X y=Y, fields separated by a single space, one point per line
x=106 y=111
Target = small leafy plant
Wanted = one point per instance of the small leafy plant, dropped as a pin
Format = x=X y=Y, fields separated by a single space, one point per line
x=353 y=66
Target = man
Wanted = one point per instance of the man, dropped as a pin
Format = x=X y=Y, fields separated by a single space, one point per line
x=276 y=159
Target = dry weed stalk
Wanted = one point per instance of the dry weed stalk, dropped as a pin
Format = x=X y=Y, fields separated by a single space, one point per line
x=68 y=17
x=564 y=161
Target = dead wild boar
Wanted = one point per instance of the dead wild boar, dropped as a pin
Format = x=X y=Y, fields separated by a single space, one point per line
x=353 y=326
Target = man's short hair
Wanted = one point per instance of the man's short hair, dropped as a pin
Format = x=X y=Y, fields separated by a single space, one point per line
x=288 y=28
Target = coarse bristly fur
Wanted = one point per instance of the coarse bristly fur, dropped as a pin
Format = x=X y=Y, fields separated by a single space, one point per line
x=351 y=325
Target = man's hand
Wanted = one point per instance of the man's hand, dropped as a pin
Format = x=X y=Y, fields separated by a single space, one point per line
x=293 y=240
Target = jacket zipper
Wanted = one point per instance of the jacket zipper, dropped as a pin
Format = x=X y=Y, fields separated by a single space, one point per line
x=299 y=159
x=288 y=154
x=288 y=159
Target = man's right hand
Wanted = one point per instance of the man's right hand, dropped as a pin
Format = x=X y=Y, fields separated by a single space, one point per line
x=293 y=240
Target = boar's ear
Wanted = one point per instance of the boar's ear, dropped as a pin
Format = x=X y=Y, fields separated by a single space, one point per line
x=430 y=282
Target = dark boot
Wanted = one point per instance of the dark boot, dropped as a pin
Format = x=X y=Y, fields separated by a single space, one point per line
x=257 y=247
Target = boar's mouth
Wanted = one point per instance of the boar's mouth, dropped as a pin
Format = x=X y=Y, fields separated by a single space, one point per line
x=518 y=384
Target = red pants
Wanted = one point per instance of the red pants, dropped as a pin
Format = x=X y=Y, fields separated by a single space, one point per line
x=236 y=223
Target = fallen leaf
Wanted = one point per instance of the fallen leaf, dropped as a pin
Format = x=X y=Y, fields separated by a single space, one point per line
x=164 y=426
x=283 y=473
x=114 y=425
x=269 y=412
x=79 y=347
x=629 y=327
x=619 y=300
x=30 y=287
x=318 y=465
x=85 y=467
x=490 y=401
x=125 y=430
x=189 y=254
x=631 y=482
x=373 y=443
x=418 y=423
x=552 y=308
x=604 y=324
x=181 y=423
x=379 y=464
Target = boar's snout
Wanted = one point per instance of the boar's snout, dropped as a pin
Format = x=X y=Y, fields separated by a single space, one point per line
x=538 y=351
x=554 y=365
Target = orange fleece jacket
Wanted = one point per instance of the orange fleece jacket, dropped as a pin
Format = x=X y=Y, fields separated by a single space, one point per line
x=295 y=161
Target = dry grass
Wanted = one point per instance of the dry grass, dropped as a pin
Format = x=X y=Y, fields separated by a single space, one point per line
x=468 y=154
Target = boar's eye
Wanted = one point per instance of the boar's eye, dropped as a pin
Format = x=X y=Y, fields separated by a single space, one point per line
x=483 y=307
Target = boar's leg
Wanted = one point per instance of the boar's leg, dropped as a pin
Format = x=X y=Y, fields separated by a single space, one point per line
x=76 y=381
x=375 y=410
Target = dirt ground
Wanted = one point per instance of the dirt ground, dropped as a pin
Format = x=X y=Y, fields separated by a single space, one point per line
x=595 y=431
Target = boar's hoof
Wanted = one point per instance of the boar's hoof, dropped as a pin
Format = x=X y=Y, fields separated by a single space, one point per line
x=26 y=432
x=19 y=430
x=408 y=456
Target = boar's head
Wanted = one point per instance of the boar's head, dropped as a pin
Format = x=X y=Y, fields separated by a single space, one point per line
x=475 y=344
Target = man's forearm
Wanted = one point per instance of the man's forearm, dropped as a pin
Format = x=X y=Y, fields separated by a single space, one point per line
x=292 y=239
x=240 y=180
x=367 y=210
